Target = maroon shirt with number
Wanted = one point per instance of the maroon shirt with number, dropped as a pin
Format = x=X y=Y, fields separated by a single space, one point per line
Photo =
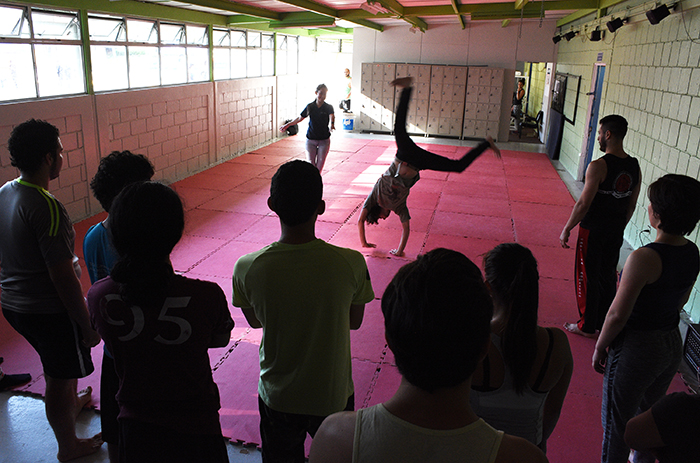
x=160 y=353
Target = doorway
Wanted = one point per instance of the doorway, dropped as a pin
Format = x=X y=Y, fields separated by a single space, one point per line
x=589 y=141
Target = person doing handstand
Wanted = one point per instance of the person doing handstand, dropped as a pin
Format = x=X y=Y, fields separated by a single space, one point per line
x=392 y=189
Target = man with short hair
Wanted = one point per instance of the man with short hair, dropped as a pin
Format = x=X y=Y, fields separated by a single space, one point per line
x=437 y=314
x=306 y=295
x=40 y=277
x=606 y=204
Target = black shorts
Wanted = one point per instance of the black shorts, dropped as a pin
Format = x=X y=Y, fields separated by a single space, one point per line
x=57 y=340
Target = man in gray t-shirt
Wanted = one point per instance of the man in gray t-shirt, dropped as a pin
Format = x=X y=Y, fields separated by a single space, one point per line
x=41 y=296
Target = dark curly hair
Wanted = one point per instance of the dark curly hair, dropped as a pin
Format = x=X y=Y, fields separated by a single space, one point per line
x=116 y=170
x=29 y=143
x=676 y=200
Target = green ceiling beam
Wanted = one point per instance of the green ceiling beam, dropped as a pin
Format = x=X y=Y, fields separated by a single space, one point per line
x=326 y=11
x=133 y=8
x=236 y=8
x=399 y=9
x=303 y=19
x=312 y=6
x=461 y=18
x=332 y=31
x=242 y=20
x=574 y=17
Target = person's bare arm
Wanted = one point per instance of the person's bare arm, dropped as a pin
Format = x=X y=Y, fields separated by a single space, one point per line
x=251 y=318
x=357 y=314
x=556 y=396
x=361 y=230
x=641 y=432
x=406 y=230
x=291 y=123
x=595 y=174
x=643 y=266
x=70 y=292
x=334 y=440
x=633 y=199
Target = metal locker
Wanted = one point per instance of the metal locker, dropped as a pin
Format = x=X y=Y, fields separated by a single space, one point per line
x=422 y=107
x=447 y=90
x=485 y=77
x=389 y=72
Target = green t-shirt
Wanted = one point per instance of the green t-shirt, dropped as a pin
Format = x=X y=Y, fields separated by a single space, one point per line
x=302 y=296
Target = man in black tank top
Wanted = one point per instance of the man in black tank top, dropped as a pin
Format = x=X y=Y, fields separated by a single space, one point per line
x=606 y=205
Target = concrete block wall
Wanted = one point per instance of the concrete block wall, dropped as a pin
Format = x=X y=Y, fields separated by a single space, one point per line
x=244 y=115
x=182 y=130
x=74 y=118
x=653 y=80
x=172 y=126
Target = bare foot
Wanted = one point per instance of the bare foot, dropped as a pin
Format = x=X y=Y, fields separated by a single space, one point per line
x=80 y=448
x=369 y=245
x=493 y=147
x=573 y=328
x=84 y=397
x=397 y=253
x=402 y=82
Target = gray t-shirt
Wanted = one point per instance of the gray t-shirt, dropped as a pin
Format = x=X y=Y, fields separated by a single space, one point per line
x=391 y=192
x=35 y=233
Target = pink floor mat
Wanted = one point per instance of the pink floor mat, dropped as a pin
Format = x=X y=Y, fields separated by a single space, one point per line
x=518 y=198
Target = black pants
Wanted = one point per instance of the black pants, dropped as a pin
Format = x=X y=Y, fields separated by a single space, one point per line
x=597 y=254
x=410 y=153
x=283 y=434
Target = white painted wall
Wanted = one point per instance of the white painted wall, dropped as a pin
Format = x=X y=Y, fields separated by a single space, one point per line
x=481 y=43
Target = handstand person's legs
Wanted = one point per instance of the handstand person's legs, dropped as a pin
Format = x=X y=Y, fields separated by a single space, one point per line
x=407 y=151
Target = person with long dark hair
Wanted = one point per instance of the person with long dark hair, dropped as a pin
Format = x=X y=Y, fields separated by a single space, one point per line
x=521 y=383
x=391 y=190
x=158 y=326
x=318 y=135
x=640 y=348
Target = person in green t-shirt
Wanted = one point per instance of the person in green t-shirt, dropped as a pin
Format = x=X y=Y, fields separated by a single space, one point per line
x=306 y=295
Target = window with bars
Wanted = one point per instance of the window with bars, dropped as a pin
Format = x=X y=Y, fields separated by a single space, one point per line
x=42 y=53
x=134 y=53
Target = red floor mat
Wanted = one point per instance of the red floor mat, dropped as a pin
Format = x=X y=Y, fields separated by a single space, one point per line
x=517 y=198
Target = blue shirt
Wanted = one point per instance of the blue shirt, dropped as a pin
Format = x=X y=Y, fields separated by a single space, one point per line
x=99 y=253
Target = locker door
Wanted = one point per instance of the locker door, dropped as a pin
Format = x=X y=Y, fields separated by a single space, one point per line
x=421 y=107
x=437 y=74
x=470 y=111
x=402 y=70
x=389 y=72
x=485 y=77
x=434 y=108
x=447 y=92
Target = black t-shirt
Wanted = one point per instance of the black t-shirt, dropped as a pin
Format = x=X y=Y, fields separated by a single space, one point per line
x=318 y=120
x=608 y=210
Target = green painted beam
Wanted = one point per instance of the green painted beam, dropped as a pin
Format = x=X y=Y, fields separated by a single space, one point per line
x=303 y=19
x=87 y=56
x=312 y=6
x=398 y=8
x=574 y=16
x=461 y=18
x=133 y=8
x=242 y=19
x=326 y=11
x=238 y=8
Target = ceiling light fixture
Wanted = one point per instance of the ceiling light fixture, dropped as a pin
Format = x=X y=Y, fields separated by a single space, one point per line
x=570 y=35
x=657 y=14
x=615 y=24
x=556 y=38
x=596 y=35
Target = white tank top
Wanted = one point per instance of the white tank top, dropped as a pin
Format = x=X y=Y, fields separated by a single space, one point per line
x=383 y=438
